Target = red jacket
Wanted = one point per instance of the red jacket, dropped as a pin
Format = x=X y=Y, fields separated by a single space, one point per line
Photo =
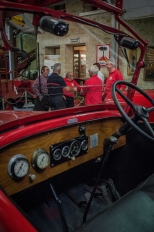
x=113 y=77
x=70 y=84
x=93 y=91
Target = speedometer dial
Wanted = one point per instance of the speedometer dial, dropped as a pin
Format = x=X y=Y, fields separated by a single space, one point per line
x=75 y=148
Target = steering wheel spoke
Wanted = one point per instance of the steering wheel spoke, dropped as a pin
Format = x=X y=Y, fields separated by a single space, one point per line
x=150 y=109
x=126 y=99
x=140 y=112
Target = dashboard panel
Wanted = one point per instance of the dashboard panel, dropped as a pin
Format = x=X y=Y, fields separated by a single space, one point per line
x=37 y=158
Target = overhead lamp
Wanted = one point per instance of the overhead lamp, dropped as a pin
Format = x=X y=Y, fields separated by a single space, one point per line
x=56 y=27
x=127 y=42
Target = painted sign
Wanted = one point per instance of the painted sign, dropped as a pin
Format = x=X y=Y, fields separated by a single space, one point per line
x=102 y=53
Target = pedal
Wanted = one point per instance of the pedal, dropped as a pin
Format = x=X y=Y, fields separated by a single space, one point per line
x=115 y=194
x=103 y=190
x=87 y=196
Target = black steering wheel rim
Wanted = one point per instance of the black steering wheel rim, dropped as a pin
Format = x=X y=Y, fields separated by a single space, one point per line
x=123 y=113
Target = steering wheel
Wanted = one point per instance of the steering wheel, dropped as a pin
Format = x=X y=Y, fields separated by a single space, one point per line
x=140 y=112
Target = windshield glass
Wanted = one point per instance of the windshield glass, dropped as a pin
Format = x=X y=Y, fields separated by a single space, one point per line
x=74 y=61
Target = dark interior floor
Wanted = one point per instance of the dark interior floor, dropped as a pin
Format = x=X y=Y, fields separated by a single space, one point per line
x=128 y=166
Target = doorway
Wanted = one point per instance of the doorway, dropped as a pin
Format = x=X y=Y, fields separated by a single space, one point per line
x=79 y=61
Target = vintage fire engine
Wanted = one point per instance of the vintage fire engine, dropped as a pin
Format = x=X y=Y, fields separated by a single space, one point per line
x=81 y=169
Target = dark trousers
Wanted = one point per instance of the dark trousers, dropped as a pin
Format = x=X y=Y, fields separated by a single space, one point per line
x=69 y=101
x=57 y=102
x=42 y=105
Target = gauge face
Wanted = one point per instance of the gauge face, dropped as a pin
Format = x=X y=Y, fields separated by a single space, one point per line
x=43 y=160
x=40 y=159
x=57 y=154
x=18 y=166
x=21 y=167
x=84 y=145
x=65 y=151
x=75 y=148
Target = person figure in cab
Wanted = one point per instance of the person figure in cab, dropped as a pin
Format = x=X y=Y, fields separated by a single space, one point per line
x=56 y=84
x=69 y=96
x=39 y=87
x=92 y=89
x=114 y=75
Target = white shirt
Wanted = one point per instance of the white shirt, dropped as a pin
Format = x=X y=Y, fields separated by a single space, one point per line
x=101 y=76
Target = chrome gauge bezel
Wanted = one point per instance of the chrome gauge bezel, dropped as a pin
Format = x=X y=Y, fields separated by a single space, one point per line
x=78 y=149
x=18 y=166
x=40 y=159
x=63 y=151
x=55 y=157
x=84 y=145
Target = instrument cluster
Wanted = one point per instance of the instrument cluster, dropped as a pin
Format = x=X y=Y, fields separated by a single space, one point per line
x=68 y=150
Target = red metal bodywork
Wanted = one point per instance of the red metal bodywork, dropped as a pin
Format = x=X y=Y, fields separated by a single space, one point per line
x=10 y=213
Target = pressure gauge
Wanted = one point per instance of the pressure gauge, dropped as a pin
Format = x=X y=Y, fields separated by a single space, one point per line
x=40 y=159
x=84 y=145
x=18 y=166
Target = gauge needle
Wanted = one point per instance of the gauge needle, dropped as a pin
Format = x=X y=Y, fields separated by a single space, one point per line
x=75 y=148
x=20 y=168
x=42 y=159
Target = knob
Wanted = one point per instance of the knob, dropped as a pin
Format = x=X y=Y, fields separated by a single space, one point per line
x=32 y=176
x=71 y=157
x=82 y=129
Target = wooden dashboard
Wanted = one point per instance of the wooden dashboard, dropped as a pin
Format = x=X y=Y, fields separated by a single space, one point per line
x=103 y=128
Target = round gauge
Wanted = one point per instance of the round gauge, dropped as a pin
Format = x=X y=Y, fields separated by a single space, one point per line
x=18 y=166
x=40 y=159
x=65 y=151
x=84 y=145
x=57 y=154
x=75 y=148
